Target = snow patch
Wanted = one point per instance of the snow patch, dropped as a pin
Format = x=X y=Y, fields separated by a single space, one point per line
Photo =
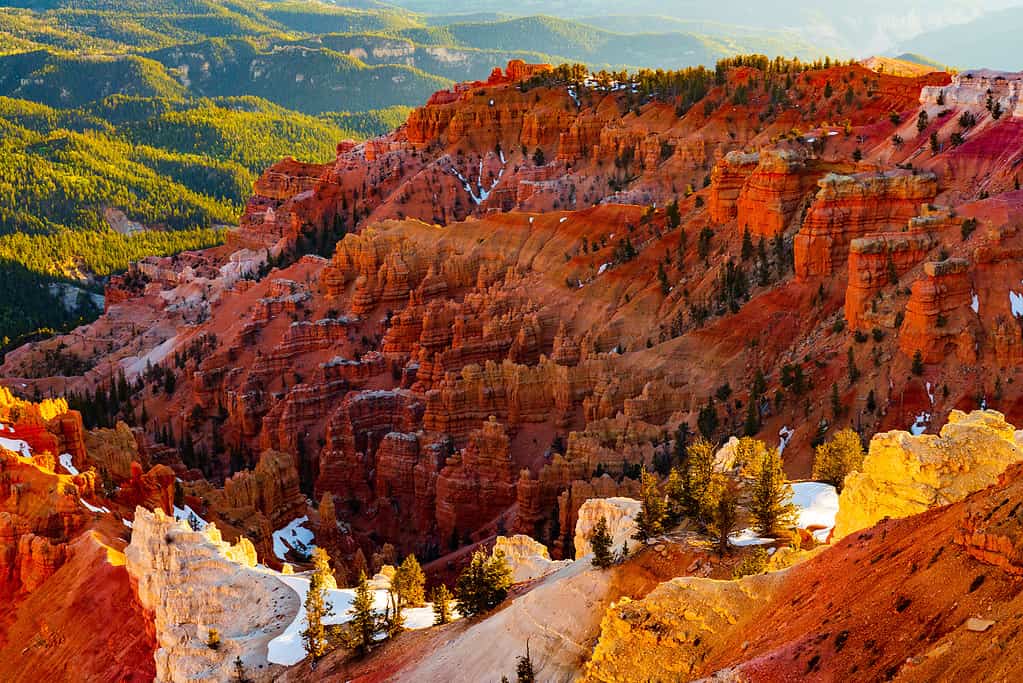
x=748 y=537
x=293 y=536
x=600 y=271
x=975 y=303
x=919 y=425
x=287 y=648
x=94 y=508
x=18 y=446
x=189 y=515
x=65 y=462
x=784 y=436
x=1016 y=302
x=818 y=505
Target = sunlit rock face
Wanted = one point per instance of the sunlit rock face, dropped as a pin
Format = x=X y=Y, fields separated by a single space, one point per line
x=905 y=474
x=195 y=584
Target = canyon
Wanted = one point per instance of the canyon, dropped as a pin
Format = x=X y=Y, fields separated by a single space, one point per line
x=477 y=330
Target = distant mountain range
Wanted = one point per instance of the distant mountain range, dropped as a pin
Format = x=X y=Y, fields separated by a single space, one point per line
x=992 y=41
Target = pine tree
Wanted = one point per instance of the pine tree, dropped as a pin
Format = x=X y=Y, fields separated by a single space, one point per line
x=483 y=584
x=726 y=512
x=365 y=621
x=918 y=363
x=650 y=520
x=314 y=636
x=674 y=217
x=837 y=409
x=600 y=542
x=410 y=582
x=675 y=491
x=836 y=459
x=524 y=668
x=752 y=424
x=747 y=245
x=770 y=500
x=699 y=480
x=441 y=599
x=239 y=672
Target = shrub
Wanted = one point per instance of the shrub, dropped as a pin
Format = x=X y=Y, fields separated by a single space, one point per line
x=754 y=562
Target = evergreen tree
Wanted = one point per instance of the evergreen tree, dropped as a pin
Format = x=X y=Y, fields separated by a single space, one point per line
x=770 y=502
x=835 y=459
x=650 y=520
x=752 y=424
x=239 y=672
x=314 y=636
x=410 y=582
x=837 y=409
x=483 y=584
x=699 y=481
x=365 y=621
x=674 y=217
x=747 y=245
x=441 y=599
x=726 y=512
x=600 y=542
x=918 y=363
x=675 y=491
x=707 y=420
x=524 y=668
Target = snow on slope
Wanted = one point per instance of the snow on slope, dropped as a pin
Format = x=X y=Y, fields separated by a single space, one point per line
x=294 y=535
x=188 y=514
x=287 y=648
x=67 y=464
x=817 y=505
x=16 y=445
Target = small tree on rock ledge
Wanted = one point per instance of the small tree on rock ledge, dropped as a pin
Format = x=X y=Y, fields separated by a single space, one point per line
x=600 y=541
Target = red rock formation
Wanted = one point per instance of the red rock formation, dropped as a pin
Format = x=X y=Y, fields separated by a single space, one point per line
x=476 y=484
x=938 y=314
x=271 y=488
x=726 y=181
x=873 y=263
x=847 y=207
x=347 y=463
x=773 y=193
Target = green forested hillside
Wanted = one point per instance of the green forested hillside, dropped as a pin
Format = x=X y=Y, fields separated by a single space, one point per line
x=180 y=168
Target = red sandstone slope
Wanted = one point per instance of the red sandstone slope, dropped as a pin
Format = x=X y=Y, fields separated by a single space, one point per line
x=556 y=298
x=894 y=602
x=69 y=611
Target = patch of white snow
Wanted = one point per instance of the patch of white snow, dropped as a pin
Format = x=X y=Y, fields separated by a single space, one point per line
x=818 y=505
x=287 y=648
x=294 y=535
x=93 y=508
x=919 y=425
x=784 y=436
x=65 y=462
